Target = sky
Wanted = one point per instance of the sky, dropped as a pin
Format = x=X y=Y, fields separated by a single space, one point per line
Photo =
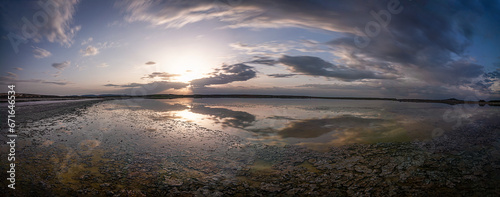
x=387 y=48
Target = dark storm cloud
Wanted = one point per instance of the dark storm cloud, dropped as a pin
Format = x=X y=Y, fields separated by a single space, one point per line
x=281 y=75
x=495 y=74
x=453 y=73
x=488 y=80
x=263 y=61
x=112 y=85
x=147 y=88
x=226 y=74
x=162 y=75
x=425 y=46
x=316 y=66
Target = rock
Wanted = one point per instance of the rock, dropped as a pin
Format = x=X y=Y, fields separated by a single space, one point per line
x=173 y=182
x=270 y=187
x=363 y=169
x=388 y=169
x=105 y=185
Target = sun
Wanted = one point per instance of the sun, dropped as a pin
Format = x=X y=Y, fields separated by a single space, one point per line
x=189 y=67
x=188 y=76
x=189 y=64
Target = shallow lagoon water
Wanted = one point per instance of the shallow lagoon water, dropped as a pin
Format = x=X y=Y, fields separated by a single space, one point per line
x=315 y=123
x=232 y=146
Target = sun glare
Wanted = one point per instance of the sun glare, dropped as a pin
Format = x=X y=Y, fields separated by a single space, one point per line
x=189 y=65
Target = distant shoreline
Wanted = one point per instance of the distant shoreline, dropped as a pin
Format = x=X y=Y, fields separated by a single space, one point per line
x=35 y=97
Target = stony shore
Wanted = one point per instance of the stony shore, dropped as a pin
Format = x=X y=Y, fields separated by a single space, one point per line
x=33 y=111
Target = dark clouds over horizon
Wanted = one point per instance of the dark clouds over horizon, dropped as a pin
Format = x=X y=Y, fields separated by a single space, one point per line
x=226 y=74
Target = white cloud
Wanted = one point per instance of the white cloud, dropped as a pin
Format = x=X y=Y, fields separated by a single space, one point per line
x=96 y=48
x=11 y=75
x=89 y=51
x=40 y=53
x=59 y=25
x=87 y=41
x=103 y=65
x=59 y=28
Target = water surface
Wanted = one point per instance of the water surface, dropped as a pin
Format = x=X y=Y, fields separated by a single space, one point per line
x=137 y=147
x=317 y=123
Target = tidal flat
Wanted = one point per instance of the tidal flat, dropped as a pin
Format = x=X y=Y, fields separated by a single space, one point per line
x=256 y=147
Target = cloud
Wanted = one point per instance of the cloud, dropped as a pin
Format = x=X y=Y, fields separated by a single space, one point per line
x=131 y=85
x=103 y=65
x=495 y=74
x=57 y=28
x=11 y=78
x=57 y=73
x=423 y=48
x=40 y=53
x=96 y=49
x=262 y=61
x=226 y=74
x=490 y=82
x=163 y=75
x=267 y=48
x=415 y=46
x=147 y=88
x=112 y=85
x=11 y=75
x=276 y=48
x=87 y=41
x=61 y=83
x=458 y=72
x=18 y=68
x=89 y=51
x=315 y=66
x=150 y=63
x=256 y=14
x=281 y=75
x=62 y=65
x=171 y=14
x=164 y=84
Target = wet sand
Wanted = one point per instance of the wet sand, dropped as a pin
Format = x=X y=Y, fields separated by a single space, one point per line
x=89 y=149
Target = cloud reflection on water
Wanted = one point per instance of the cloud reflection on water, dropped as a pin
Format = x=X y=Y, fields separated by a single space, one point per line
x=319 y=123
